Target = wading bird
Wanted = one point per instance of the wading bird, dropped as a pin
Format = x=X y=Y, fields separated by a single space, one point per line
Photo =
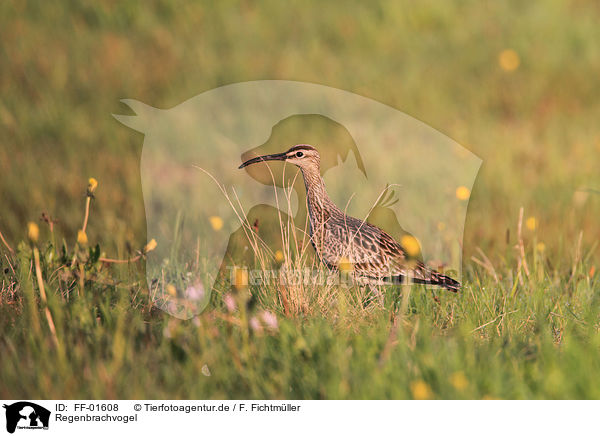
x=374 y=256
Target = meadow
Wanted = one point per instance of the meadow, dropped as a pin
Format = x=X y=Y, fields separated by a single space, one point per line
x=516 y=84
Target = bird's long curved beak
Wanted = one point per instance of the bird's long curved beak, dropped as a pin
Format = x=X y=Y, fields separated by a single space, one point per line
x=277 y=156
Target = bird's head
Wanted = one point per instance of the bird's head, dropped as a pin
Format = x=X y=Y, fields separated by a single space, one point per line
x=302 y=155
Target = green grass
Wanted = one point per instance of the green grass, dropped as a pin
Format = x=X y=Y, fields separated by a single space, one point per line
x=508 y=334
x=505 y=339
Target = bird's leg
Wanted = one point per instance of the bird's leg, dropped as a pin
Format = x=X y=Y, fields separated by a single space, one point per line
x=376 y=292
x=366 y=295
x=368 y=291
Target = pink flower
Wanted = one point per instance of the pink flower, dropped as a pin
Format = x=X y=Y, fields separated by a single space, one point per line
x=229 y=302
x=195 y=293
x=269 y=319
x=255 y=325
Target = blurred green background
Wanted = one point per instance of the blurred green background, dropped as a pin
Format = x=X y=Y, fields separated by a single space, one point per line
x=516 y=83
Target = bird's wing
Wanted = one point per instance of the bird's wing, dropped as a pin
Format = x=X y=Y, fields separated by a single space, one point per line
x=375 y=254
x=369 y=248
x=378 y=253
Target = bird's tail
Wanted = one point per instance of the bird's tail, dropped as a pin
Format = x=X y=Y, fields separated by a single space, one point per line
x=438 y=279
x=425 y=276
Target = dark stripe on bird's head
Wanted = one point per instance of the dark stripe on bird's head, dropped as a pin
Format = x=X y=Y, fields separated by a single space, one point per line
x=301 y=147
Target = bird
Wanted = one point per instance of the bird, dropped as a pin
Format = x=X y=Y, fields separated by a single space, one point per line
x=375 y=257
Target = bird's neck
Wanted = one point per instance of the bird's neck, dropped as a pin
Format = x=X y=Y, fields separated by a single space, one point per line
x=319 y=203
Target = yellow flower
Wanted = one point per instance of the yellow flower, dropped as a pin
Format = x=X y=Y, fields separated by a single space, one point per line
x=463 y=193
x=216 y=223
x=345 y=265
x=508 y=60
x=411 y=245
x=420 y=390
x=279 y=256
x=441 y=226
x=171 y=290
x=540 y=247
x=82 y=237
x=92 y=185
x=150 y=246
x=531 y=223
x=592 y=271
x=33 y=232
x=240 y=278
x=459 y=381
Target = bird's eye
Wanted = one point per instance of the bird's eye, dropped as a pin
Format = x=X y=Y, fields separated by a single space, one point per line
x=299 y=154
